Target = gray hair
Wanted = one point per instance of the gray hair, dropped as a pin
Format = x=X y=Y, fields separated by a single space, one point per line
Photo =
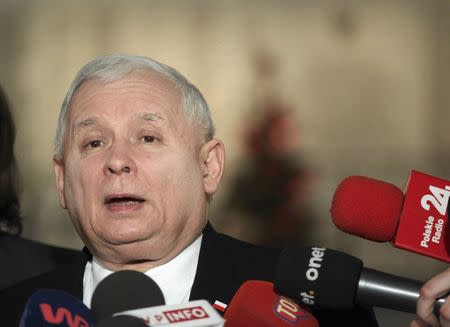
x=111 y=68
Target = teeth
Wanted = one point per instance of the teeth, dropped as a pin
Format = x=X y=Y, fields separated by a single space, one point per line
x=124 y=203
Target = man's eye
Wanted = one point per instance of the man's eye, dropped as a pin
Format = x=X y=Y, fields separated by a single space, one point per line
x=95 y=144
x=149 y=139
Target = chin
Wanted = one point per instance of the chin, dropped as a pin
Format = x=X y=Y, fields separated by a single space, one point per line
x=131 y=237
x=131 y=241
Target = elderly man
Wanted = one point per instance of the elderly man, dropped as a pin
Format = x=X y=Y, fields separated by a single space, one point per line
x=136 y=164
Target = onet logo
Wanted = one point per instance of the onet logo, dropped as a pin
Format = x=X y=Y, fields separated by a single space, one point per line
x=312 y=273
x=315 y=263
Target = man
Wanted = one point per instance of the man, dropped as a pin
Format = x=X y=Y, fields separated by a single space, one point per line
x=136 y=164
x=21 y=258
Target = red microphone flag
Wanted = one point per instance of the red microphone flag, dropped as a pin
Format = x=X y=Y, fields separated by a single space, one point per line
x=423 y=222
x=378 y=211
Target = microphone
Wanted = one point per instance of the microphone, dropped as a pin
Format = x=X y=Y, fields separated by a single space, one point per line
x=198 y=313
x=256 y=304
x=329 y=279
x=378 y=211
x=135 y=296
x=47 y=307
x=124 y=290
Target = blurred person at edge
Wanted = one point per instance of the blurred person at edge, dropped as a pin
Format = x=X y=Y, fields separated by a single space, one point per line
x=435 y=288
x=21 y=258
x=136 y=165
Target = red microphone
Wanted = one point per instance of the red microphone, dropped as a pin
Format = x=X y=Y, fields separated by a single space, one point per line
x=256 y=304
x=378 y=211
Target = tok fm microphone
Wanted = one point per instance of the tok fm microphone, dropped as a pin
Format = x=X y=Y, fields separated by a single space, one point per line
x=256 y=304
x=329 y=279
x=47 y=307
x=378 y=211
x=124 y=290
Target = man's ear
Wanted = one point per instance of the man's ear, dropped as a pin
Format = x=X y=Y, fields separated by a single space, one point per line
x=58 y=166
x=212 y=155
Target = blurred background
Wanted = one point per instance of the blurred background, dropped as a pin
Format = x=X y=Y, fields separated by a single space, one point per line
x=303 y=94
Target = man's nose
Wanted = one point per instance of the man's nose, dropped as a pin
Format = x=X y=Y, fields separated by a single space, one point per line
x=119 y=161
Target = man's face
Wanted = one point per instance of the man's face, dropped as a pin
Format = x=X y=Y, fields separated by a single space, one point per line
x=134 y=170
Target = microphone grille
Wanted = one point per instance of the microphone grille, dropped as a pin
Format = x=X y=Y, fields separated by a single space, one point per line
x=318 y=277
x=367 y=208
x=124 y=290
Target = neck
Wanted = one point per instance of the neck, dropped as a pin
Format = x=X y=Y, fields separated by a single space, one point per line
x=127 y=257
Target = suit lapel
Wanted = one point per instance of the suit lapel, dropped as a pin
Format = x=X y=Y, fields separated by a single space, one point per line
x=213 y=280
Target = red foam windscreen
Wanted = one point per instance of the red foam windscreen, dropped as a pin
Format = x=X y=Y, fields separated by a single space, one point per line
x=367 y=208
x=256 y=304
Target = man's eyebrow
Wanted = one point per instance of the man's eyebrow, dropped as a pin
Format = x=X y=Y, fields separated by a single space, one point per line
x=85 y=123
x=151 y=116
x=147 y=116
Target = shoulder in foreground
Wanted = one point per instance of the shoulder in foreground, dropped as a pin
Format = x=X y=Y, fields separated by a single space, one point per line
x=66 y=277
x=23 y=258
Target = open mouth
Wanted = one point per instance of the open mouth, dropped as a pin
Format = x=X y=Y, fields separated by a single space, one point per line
x=123 y=200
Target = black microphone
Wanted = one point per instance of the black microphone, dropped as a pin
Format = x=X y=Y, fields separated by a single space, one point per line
x=330 y=279
x=131 y=293
x=122 y=291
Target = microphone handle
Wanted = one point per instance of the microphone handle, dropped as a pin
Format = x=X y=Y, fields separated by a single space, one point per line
x=388 y=291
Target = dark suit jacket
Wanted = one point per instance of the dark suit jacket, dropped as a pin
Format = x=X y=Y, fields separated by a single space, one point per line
x=224 y=264
x=22 y=258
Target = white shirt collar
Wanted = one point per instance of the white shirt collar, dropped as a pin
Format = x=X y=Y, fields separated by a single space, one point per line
x=175 y=278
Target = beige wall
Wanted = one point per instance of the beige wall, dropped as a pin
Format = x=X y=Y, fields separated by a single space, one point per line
x=368 y=79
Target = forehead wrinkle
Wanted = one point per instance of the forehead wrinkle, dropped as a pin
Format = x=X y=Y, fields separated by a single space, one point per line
x=151 y=116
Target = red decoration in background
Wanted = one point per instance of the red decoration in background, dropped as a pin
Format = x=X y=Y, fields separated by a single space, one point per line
x=273 y=188
x=267 y=201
